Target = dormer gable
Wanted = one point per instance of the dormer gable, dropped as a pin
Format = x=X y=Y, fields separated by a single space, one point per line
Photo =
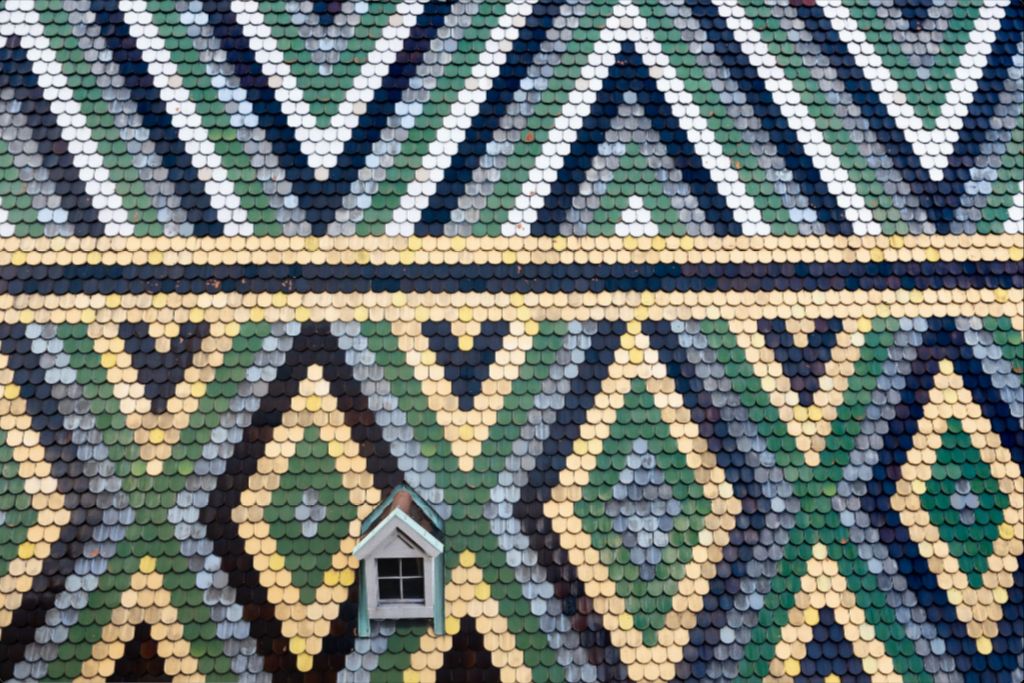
x=401 y=561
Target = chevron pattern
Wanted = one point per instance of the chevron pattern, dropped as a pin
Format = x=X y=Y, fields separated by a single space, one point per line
x=624 y=117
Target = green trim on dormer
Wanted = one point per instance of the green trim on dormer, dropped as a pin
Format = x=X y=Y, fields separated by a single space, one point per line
x=381 y=527
x=375 y=516
x=398 y=519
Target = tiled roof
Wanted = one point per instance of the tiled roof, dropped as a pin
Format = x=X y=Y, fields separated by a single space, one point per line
x=699 y=322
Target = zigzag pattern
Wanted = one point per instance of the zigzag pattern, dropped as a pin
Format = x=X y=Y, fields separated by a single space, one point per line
x=465 y=118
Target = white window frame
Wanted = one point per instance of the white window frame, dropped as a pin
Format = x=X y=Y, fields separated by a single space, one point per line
x=404 y=580
x=398 y=536
x=396 y=548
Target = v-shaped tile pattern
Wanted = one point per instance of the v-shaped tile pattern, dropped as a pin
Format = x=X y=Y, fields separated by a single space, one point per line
x=806 y=394
x=802 y=360
x=140 y=662
x=156 y=431
x=932 y=130
x=466 y=428
x=161 y=363
x=466 y=360
x=428 y=118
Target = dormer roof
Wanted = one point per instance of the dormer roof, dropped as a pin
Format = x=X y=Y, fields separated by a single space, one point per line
x=406 y=513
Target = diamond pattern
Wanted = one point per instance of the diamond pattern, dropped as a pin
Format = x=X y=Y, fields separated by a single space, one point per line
x=656 y=612
x=639 y=535
x=655 y=495
x=948 y=560
x=698 y=323
x=642 y=510
x=954 y=504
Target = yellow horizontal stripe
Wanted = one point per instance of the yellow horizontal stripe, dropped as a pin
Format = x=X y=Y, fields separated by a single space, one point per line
x=506 y=250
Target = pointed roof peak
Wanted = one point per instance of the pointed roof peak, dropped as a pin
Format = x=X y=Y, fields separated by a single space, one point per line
x=403 y=498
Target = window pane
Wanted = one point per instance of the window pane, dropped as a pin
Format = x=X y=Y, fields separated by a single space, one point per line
x=412 y=589
x=389 y=567
x=401 y=579
x=390 y=589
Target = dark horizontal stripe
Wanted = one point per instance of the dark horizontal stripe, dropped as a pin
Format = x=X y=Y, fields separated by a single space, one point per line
x=509 y=278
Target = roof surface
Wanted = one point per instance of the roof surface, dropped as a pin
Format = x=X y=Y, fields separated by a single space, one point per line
x=698 y=322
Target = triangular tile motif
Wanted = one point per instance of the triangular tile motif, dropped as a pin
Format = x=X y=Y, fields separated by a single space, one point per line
x=611 y=95
x=315 y=143
x=698 y=324
x=803 y=361
x=323 y=42
x=468 y=659
x=830 y=657
x=140 y=661
x=146 y=601
x=948 y=31
x=566 y=154
x=635 y=220
x=161 y=363
x=158 y=373
x=336 y=69
x=631 y=183
x=466 y=360
x=478 y=644
x=823 y=587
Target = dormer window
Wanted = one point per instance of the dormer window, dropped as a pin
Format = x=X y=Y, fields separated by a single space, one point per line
x=396 y=569
x=401 y=564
